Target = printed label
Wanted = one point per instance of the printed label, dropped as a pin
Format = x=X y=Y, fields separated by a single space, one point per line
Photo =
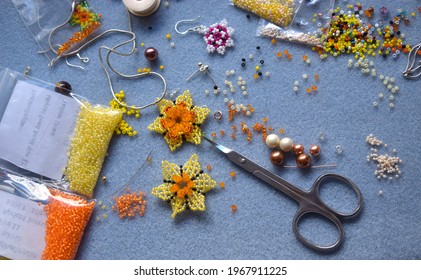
x=22 y=228
x=36 y=128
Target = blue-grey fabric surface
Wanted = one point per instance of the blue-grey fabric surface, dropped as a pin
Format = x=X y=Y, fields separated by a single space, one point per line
x=389 y=226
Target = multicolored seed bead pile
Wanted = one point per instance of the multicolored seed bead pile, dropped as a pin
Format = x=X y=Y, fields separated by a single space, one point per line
x=67 y=217
x=94 y=129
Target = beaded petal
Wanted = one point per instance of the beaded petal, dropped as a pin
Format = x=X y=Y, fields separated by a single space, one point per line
x=184 y=186
x=180 y=120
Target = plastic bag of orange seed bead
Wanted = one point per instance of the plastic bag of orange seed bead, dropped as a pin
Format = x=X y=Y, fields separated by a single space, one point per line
x=39 y=221
x=56 y=37
x=309 y=25
x=47 y=131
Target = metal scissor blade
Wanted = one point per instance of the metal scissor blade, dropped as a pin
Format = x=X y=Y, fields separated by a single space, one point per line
x=220 y=147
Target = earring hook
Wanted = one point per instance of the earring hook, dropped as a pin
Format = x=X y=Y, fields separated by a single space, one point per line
x=188 y=30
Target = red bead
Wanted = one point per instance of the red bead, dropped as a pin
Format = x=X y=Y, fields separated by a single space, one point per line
x=151 y=54
x=303 y=160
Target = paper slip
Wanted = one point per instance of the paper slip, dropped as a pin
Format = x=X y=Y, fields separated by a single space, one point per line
x=22 y=228
x=36 y=128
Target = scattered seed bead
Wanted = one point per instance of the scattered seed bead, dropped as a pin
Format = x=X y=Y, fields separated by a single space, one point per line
x=222 y=185
x=391 y=105
x=295 y=89
x=67 y=217
x=209 y=167
x=232 y=174
x=130 y=204
x=305 y=76
x=172 y=44
x=338 y=149
x=94 y=128
x=168 y=36
x=233 y=208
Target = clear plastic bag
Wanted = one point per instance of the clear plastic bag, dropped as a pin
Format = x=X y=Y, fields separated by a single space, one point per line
x=309 y=25
x=280 y=12
x=59 y=27
x=47 y=131
x=38 y=220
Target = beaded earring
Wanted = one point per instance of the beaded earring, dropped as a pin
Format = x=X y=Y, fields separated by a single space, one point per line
x=88 y=22
x=217 y=37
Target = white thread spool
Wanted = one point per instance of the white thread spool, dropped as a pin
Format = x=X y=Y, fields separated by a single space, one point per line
x=142 y=8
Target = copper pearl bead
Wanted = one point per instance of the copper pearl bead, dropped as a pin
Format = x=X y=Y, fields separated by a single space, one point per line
x=303 y=160
x=298 y=149
x=151 y=54
x=315 y=150
x=277 y=158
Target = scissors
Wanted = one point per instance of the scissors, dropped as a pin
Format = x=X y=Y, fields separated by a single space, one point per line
x=309 y=202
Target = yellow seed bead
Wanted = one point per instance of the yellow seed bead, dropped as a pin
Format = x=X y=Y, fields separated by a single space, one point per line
x=168 y=36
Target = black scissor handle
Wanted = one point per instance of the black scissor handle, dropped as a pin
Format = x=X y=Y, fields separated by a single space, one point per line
x=322 y=248
x=314 y=191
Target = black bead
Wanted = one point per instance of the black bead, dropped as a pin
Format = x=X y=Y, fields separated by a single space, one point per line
x=258 y=48
x=260 y=73
x=243 y=64
x=243 y=59
x=215 y=87
x=201 y=172
x=262 y=61
x=150 y=27
x=248 y=16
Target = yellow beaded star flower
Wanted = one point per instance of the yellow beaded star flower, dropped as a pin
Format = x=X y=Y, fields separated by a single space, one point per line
x=180 y=120
x=184 y=186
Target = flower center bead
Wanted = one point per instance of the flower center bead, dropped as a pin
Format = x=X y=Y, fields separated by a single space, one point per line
x=178 y=120
x=183 y=185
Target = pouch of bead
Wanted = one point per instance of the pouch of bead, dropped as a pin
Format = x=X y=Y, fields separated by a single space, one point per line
x=59 y=26
x=309 y=25
x=280 y=12
x=49 y=132
x=38 y=220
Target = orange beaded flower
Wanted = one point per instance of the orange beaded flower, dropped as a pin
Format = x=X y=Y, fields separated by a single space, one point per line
x=180 y=120
x=184 y=186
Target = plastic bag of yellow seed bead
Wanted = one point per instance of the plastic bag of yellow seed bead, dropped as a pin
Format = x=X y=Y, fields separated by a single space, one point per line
x=44 y=18
x=88 y=147
x=38 y=221
x=280 y=12
x=309 y=25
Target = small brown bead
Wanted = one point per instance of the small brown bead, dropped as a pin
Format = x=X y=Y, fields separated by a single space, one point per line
x=277 y=158
x=298 y=149
x=315 y=150
x=303 y=160
x=63 y=87
x=151 y=54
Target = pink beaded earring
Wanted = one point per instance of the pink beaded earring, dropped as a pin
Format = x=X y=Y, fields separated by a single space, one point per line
x=217 y=37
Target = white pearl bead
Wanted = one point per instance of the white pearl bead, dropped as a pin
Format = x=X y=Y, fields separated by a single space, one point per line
x=286 y=144
x=272 y=140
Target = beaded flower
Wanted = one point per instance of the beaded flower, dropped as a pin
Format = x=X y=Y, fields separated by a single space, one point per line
x=83 y=17
x=184 y=186
x=88 y=21
x=218 y=37
x=180 y=120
